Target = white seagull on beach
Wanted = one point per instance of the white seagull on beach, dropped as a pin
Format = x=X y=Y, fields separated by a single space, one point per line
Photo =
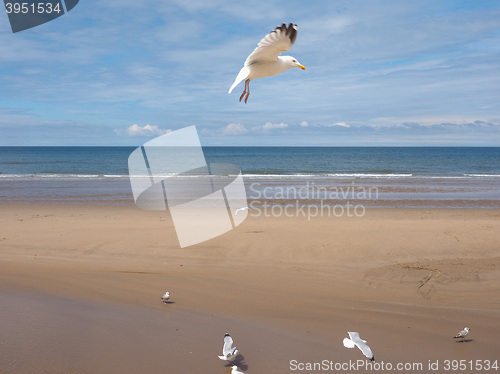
x=228 y=351
x=235 y=370
x=265 y=60
x=165 y=297
x=462 y=334
x=356 y=341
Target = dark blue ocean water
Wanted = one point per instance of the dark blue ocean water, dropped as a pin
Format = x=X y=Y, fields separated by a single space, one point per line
x=356 y=161
x=425 y=174
x=361 y=161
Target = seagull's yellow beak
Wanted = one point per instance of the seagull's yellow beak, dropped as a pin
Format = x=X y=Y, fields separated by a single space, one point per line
x=301 y=66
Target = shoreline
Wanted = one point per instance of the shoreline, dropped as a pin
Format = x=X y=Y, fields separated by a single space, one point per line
x=474 y=192
x=266 y=205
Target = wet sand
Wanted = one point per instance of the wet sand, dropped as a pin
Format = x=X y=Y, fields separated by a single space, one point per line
x=80 y=290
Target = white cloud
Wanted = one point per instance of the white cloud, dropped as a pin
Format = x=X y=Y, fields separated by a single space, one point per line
x=234 y=129
x=304 y=124
x=271 y=126
x=136 y=130
x=340 y=124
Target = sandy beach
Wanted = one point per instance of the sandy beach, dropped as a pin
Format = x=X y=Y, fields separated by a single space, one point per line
x=80 y=290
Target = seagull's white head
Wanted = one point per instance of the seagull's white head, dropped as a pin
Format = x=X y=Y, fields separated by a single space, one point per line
x=292 y=62
x=466 y=329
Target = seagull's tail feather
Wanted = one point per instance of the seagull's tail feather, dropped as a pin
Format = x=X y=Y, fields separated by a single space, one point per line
x=241 y=75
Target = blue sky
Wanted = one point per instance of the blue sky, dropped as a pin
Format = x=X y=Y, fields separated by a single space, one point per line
x=120 y=72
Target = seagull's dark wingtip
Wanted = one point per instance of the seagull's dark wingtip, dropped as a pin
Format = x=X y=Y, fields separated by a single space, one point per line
x=292 y=32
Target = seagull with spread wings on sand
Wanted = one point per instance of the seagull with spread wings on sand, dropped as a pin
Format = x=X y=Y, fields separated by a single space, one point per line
x=229 y=352
x=355 y=340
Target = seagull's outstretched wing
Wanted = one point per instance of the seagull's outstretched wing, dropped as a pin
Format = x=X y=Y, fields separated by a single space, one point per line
x=227 y=349
x=271 y=46
x=361 y=344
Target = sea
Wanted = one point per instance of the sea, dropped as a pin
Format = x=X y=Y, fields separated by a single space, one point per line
x=429 y=177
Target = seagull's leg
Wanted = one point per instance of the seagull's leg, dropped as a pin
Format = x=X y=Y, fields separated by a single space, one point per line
x=245 y=90
x=248 y=89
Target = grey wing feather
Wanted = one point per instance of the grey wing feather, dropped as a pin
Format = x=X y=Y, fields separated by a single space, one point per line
x=271 y=46
x=354 y=336
x=366 y=351
x=461 y=334
x=361 y=344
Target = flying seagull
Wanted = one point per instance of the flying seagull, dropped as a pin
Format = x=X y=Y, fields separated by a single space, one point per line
x=228 y=351
x=265 y=60
x=462 y=334
x=356 y=341
x=165 y=297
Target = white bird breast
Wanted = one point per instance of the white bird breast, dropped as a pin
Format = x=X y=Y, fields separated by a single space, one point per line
x=267 y=69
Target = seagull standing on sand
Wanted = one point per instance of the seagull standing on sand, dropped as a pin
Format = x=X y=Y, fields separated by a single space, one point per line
x=165 y=297
x=356 y=341
x=462 y=334
x=235 y=370
x=228 y=351
x=266 y=61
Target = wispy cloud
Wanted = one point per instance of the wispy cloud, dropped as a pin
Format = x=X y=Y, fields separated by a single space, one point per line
x=234 y=129
x=339 y=124
x=146 y=130
x=272 y=126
